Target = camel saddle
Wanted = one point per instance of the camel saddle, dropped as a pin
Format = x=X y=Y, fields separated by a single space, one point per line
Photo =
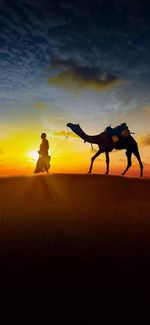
x=120 y=131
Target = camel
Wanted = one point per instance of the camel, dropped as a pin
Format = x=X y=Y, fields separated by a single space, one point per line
x=106 y=144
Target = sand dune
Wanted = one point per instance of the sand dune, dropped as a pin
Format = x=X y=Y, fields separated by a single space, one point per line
x=75 y=231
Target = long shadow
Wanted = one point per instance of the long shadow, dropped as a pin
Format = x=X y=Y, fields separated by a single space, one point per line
x=41 y=190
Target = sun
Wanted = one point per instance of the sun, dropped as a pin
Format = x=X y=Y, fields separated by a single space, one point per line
x=33 y=155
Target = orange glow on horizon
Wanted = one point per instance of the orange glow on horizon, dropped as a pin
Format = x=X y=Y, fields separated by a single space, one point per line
x=100 y=169
x=18 y=156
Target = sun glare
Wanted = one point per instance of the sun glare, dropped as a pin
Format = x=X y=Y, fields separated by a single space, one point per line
x=33 y=155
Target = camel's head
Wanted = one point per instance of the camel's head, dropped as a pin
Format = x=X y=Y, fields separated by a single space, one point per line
x=71 y=125
x=74 y=127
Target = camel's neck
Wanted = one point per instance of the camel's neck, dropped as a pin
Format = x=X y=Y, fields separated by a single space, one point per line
x=87 y=138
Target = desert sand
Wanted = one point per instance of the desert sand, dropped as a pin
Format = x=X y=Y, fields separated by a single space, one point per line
x=75 y=233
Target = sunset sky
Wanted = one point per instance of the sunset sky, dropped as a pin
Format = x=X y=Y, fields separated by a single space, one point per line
x=72 y=61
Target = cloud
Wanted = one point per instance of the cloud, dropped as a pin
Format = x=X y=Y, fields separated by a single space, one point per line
x=146 y=140
x=65 y=134
x=146 y=110
x=57 y=62
x=77 y=77
x=40 y=106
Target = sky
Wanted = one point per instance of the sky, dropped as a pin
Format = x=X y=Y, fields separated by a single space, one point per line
x=72 y=61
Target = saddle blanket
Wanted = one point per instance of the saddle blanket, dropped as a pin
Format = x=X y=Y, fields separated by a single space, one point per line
x=115 y=138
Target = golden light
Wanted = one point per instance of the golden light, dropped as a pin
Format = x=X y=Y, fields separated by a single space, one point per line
x=33 y=155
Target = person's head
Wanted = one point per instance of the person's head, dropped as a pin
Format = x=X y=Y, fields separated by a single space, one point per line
x=43 y=135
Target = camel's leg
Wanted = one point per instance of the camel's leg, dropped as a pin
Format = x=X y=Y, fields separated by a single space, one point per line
x=137 y=155
x=93 y=158
x=107 y=162
x=128 y=154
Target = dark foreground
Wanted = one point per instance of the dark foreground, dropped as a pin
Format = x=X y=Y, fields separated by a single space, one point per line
x=75 y=243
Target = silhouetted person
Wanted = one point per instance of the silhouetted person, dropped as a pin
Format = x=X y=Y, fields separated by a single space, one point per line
x=44 y=146
x=43 y=163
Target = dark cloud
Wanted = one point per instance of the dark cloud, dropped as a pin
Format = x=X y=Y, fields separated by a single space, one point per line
x=88 y=72
x=59 y=63
x=82 y=76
